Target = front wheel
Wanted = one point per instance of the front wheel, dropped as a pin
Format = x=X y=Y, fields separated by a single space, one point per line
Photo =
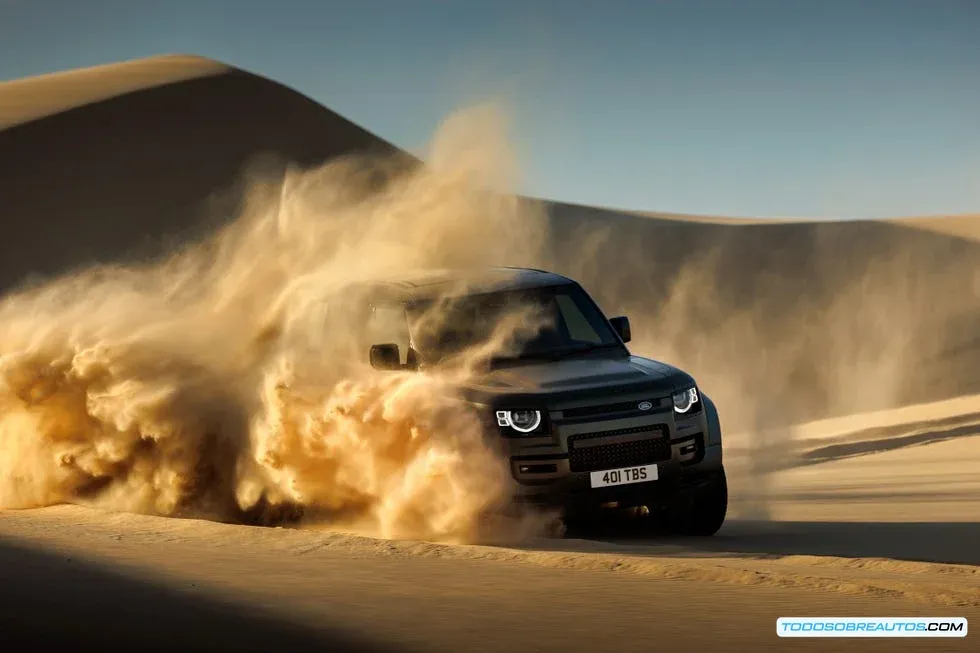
x=585 y=522
x=704 y=511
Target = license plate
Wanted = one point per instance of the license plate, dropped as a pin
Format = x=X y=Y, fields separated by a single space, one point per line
x=624 y=476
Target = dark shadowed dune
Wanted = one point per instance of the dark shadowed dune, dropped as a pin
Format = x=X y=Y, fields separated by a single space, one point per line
x=789 y=321
x=140 y=162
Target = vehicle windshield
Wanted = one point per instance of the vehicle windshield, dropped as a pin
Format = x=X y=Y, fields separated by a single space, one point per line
x=571 y=323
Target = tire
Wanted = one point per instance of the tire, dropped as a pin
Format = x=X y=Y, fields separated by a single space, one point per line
x=703 y=514
x=580 y=523
x=589 y=522
x=266 y=513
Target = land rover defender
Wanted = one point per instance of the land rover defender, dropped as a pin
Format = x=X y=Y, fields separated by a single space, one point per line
x=583 y=423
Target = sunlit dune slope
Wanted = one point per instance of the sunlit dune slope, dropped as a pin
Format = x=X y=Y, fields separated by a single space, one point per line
x=962 y=226
x=24 y=100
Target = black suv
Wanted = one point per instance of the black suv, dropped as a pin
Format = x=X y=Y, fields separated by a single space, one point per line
x=584 y=423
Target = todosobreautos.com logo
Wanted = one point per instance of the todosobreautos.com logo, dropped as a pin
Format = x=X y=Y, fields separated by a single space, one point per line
x=871 y=627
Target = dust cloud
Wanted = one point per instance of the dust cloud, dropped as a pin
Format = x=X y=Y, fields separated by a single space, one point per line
x=231 y=380
x=783 y=325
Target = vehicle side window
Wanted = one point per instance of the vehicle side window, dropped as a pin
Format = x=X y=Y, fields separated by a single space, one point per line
x=575 y=321
x=387 y=324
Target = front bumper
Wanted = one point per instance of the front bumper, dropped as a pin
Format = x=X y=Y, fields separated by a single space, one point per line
x=555 y=469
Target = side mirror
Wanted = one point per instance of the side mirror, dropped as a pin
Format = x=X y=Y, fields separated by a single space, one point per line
x=621 y=325
x=385 y=357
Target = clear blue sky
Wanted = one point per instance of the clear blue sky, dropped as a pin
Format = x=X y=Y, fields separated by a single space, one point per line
x=818 y=108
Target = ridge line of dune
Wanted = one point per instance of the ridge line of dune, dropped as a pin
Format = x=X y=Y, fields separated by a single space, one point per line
x=33 y=98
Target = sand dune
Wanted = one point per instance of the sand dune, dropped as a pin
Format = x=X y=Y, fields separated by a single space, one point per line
x=835 y=318
x=843 y=357
x=915 y=464
x=30 y=99
x=962 y=226
x=143 y=155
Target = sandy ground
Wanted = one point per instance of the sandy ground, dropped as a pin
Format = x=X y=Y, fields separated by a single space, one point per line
x=869 y=514
x=879 y=533
x=917 y=463
x=426 y=597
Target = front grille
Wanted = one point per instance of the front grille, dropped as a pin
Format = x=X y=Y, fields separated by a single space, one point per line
x=583 y=457
x=604 y=409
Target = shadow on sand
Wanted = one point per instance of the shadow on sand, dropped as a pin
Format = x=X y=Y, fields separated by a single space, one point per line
x=50 y=599
x=879 y=439
x=940 y=542
x=943 y=542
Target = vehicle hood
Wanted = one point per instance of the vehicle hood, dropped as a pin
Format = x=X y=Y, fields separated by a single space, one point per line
x=584 y=373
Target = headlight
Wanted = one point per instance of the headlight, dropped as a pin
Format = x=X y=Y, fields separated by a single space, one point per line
x=685 y=400
x=522 y=421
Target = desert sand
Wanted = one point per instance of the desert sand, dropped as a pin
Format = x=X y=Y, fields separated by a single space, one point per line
x=842 y=356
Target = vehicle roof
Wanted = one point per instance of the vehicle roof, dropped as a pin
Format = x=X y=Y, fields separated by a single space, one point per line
x=423 y=284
